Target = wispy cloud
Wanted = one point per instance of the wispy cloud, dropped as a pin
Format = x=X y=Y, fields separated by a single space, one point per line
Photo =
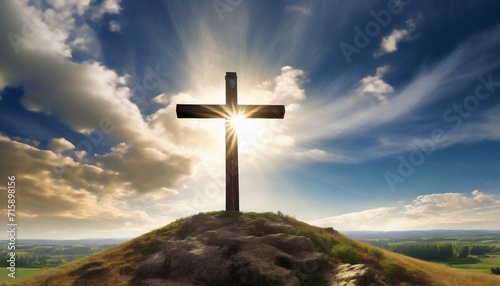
x=300 y=9
x=347 y=114
x=474 y=210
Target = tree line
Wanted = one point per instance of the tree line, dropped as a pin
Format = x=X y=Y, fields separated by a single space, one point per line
x=28 y=260
x=439 y=251
x=77 y=250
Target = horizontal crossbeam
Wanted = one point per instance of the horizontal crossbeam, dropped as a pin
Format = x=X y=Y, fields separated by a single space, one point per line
x=201 y=111
x=225 y=111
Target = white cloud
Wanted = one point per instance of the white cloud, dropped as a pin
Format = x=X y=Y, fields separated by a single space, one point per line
x=55 y=26
x=367 y=219
x=375 y=85
x=77 y=6
x=288 y=85
x=300 y=9
x=147 y=169
x=389 y=44
x=114 y=26
x=286 y=88
x=29 y=28
x=59 y=145
x=107 y=6
x=474 y=210
x=161 y=99
x=81 y=95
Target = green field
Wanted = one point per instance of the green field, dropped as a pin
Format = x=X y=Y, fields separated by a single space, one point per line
x=20 y=273
x=487 y=262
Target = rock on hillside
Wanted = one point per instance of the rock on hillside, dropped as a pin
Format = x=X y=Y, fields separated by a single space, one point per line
x=248 y=251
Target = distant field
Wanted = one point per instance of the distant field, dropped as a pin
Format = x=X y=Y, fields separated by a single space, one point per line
x=35 y=256
x=486 y=264
x=20 y=273
x=456 y=238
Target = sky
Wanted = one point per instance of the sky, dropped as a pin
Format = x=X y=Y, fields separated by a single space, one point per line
x=392 y=112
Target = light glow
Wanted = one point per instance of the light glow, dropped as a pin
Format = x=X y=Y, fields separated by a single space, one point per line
x=247 y=129
x=238 y=122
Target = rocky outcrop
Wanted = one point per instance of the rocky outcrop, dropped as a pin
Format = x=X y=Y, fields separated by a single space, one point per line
x=252 y=252
x=354 y=275
x=215 y=251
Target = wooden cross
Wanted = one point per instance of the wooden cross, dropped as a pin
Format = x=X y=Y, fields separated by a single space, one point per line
x=228 y=111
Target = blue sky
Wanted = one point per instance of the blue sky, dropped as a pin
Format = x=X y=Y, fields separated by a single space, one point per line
x=392 y=112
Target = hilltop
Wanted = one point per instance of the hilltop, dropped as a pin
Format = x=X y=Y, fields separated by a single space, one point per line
x=225 y=248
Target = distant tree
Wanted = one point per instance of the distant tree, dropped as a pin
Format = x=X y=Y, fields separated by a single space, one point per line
x=55 y=262
x=481 y=249
x=4 y=256
x=428 y=251
x=464 y=252
x=21 y=261
x=445 y=251
x=30 y=260
x=42 y=250
x=41 y=259
x=495 y=270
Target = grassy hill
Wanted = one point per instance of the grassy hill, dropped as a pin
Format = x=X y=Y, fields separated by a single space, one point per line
x=221 y=248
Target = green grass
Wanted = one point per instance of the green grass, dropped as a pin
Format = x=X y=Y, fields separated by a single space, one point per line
x=376 y=252
x=468 y=260
x=484 y=265
x=346 y=253
x=392 y=271
x=21 y=273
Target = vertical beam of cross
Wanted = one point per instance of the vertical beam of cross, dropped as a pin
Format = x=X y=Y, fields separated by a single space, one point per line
x=232 y=173
x=227 y=111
